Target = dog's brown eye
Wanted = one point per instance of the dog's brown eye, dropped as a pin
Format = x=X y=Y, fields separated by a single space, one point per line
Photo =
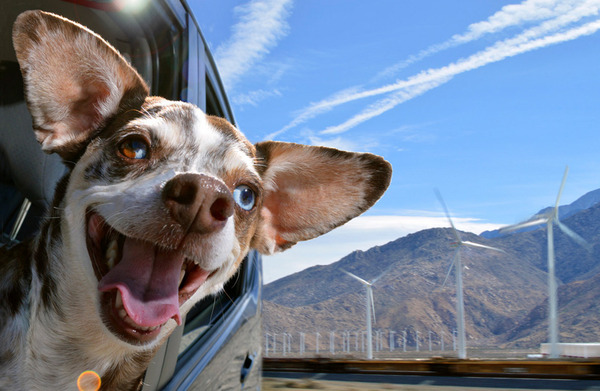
x=134 y=148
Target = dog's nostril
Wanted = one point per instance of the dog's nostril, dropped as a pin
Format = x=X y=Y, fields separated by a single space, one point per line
x=221 y=209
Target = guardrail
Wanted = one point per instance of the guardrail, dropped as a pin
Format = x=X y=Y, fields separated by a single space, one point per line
x=553 y=369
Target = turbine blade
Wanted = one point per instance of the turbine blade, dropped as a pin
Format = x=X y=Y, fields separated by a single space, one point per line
x=524 y=224
x=441 y=200
x=560 y=190
x=477 y=245
x=373 y=281
x=451 y=265
x=573 y=235
x=356 y=277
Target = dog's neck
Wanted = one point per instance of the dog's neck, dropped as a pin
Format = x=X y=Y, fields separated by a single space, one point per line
x=53 y=347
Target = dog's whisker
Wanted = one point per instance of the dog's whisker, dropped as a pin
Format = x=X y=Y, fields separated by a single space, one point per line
x=212 y=310
x=231 y=300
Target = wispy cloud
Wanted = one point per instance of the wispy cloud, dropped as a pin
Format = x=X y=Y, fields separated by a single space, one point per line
x=556 y=23
x=355 y=144
x=254 y=97
x=262 y=23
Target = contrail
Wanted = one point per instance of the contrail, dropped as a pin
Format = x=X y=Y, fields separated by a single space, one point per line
x=554 y=15
x=435 y=77
x=509 y=16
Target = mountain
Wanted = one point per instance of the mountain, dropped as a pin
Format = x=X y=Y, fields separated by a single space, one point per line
x=564 y=211
x=505 y=294
x=410 y=295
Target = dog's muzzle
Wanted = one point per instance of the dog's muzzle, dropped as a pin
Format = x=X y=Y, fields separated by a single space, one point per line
x=143 y=284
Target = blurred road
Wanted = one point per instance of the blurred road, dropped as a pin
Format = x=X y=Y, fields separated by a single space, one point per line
x=335 y=381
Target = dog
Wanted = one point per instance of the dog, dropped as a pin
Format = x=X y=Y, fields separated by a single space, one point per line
x=160 y=205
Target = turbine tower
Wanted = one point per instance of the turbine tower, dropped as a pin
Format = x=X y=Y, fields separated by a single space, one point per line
x=550 y=218
x=370 y=308
x=460 y=305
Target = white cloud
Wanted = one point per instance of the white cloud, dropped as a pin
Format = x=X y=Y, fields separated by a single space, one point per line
x=361 y=233
x=363 y=143
x=262 y=24
x=337 y=142
x=254 y=97
x=517 y=14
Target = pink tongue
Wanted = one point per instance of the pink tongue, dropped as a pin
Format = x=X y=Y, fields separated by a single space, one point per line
x=148 y=280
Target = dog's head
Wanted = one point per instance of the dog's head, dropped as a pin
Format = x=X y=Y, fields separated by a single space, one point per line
x=163 y=202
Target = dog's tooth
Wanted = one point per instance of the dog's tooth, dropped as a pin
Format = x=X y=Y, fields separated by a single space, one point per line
x=111 y=253
x=122 y=313
x=119 y=300
x=110 y=261
x=130 y=322
x=181 y=276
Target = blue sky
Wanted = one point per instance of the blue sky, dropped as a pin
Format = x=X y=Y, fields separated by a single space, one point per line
x=487 y=101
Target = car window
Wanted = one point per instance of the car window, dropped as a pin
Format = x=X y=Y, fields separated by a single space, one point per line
x=172 y=58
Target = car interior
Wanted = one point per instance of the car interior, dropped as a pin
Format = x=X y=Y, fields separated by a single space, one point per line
x=164 y=44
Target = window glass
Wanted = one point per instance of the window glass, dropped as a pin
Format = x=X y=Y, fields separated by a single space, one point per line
x=212 y=102
x=210 y=310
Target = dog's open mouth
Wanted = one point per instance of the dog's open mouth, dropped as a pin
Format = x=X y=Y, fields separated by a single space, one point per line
x=142 y=285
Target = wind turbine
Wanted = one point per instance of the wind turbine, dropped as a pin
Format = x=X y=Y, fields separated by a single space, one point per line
x=551 y=218
x=317 y=343
x=370 y=309
x=460 y=305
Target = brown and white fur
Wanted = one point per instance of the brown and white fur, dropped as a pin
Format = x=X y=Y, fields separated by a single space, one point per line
x=159 y=207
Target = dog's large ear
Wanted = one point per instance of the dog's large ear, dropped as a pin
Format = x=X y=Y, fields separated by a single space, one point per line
x=74 y=80
x=311 y=190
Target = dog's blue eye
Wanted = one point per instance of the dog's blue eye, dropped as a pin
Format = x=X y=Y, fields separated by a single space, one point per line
x=244 y=196
x=134 y=149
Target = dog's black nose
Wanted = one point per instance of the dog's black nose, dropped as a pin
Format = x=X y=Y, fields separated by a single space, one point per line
x=200 y=203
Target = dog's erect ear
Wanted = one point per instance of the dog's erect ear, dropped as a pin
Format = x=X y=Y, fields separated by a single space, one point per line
x=311 y=190
x=74 y=80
